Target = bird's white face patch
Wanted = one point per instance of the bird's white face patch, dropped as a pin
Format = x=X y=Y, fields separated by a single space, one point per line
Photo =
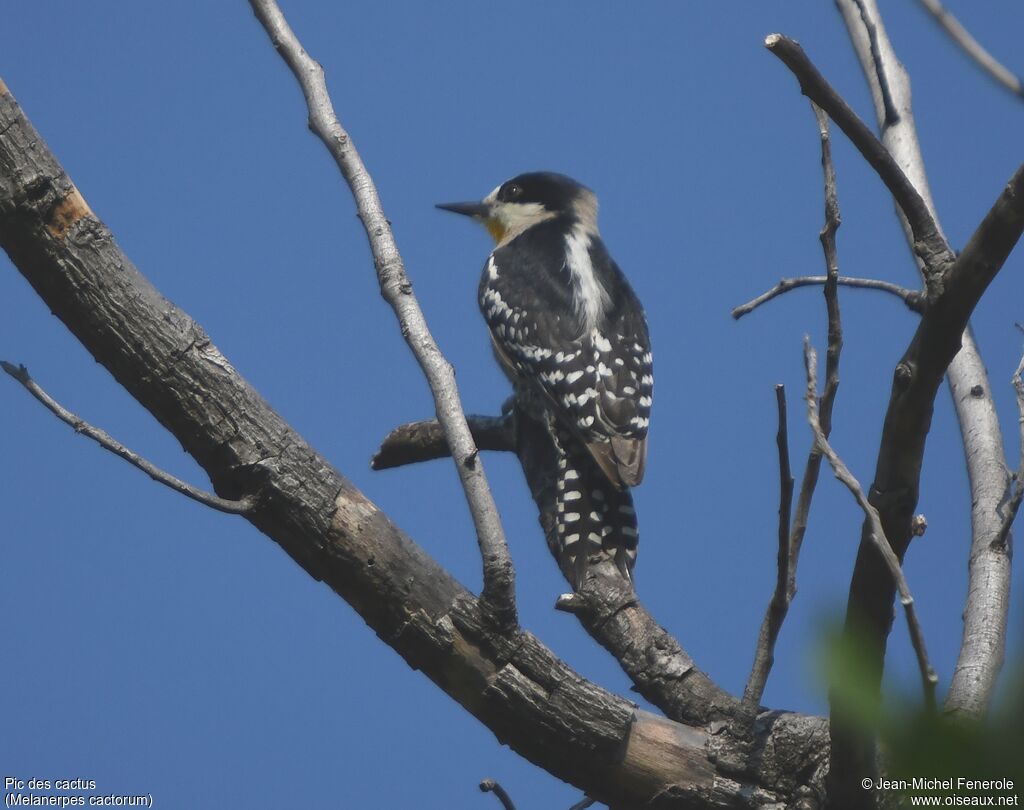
x=509 y=219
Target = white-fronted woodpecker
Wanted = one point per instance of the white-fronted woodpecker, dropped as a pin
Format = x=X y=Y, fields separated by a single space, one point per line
x=571 y=334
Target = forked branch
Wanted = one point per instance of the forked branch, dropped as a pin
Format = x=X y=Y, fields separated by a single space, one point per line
x=928 y=677
x=929 y=243
x=791 y=535
x=914 y=299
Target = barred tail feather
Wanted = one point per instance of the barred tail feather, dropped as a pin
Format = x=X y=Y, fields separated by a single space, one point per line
x=594 y=517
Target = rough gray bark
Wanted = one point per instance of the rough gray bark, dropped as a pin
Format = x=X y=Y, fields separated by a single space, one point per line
x=709 y=752
x=984 y=634
x=513 y=684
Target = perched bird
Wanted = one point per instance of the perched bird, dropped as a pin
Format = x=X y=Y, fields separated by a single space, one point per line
x=571 y=334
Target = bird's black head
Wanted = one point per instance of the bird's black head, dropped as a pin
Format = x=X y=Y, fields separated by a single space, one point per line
x=556 y=192
x=528 y=199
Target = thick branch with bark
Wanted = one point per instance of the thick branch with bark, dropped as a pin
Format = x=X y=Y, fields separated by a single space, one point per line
x=895 y=490
x=954 y=288
x=985 y=613
x=512 y=683
x=505 y=677
x=606 y=605
x=881 y=542
x=425 y=441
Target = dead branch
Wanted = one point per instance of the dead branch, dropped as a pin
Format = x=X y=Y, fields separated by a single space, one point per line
x=425 y=441
x=928 y=677
x=897 y=479
x=107 y=442
x=791 y=536
x=981 y=649
x=827 y=236
x=775 y=615
x=608 y=608
x=515 y=686
x=835 y=344
x=914 y=299
x=498 y=572
x=974 y=49
x=929 y=243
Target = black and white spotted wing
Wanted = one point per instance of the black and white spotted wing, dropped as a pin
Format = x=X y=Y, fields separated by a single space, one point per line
x=597 y=376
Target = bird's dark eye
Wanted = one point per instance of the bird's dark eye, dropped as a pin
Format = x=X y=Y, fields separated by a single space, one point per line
x=513 y=191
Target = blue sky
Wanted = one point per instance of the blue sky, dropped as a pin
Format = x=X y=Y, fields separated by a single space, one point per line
x=155 y=646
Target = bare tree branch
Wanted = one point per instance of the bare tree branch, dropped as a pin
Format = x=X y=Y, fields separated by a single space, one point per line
x=425 y=441
x=898 y=471
x=929 y=242
x=583 y=804
x=490 y=786
x=974 y=49
x=775 y=615
x=608 y=608
x=514 y=685
x=981 y=655
x=897 y=480
x=827 y=236
x=498 y=572
x=791 y=541
x=812 y=468
x=914 y=299
x=107 y=442
x=928 y=677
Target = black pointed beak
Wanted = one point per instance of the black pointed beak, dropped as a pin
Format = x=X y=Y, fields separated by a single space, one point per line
x=477 y=210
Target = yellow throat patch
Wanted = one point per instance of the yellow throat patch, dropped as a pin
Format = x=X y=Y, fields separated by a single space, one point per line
x=495 y=229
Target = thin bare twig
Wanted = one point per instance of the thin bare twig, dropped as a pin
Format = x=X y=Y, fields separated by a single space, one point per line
x=764 y=653
x=791 y=536
x=929 y=243
x=584 y=803
x=928 y=677
x=827 y=236
x=914 y=299
x=974 y=49
x=490 y=786
x=107 y=442
x=812 y=469
x=498 y=595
